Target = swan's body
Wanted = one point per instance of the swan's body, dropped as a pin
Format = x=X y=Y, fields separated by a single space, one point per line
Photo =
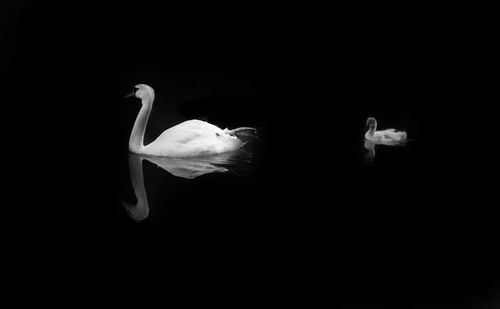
x=384 y=137
x=188 y=139
x=192 y=138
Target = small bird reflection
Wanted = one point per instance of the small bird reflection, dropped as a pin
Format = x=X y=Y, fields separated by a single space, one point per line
x=188 y=168
x=371 y=145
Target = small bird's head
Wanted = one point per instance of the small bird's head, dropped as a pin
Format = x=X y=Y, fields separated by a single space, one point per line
x=143 y=91
x=371 y=122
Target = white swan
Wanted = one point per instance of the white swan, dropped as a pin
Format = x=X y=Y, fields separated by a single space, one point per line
x=385 y=137
x=188 y=139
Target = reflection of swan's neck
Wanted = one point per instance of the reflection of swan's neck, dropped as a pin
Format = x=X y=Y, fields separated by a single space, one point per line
x=137 y=177
x=136 y=141
x=140 y=210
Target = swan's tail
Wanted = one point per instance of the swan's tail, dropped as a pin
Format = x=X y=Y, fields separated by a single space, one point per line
x=403 y=137
x=242 y=132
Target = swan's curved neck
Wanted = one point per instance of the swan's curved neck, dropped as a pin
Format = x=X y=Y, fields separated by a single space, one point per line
x=372 y=130
x=136 y=141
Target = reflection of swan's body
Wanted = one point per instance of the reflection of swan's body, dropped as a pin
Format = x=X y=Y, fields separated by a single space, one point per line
x=193 y=167
x=181 y=167
x=384 y=137
x=188 y=139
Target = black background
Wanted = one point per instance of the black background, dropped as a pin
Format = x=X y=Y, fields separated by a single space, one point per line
x=312 y=221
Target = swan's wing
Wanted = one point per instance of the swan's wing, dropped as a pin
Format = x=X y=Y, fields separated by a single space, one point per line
x=187 y=132
x=396 y=136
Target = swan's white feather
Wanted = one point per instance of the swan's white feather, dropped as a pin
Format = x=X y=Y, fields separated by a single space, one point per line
x=392 y=135
x=386 y=137
x=188 y=131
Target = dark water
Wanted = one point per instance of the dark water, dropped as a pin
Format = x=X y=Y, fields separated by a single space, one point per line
x=300 y=214
x=399 y=228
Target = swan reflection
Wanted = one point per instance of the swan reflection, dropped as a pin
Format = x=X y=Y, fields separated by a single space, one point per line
x=194 y=167
x=140 y=210
x=370 y=147
x=188 y=168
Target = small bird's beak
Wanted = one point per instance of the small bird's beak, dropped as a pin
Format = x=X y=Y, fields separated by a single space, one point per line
x=130 y=94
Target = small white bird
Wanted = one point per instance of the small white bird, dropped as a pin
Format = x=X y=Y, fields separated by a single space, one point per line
x=188 y=139
x=389 y=137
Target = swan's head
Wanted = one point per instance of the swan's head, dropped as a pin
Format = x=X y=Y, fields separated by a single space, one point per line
x=371 y=122
x=144 y=92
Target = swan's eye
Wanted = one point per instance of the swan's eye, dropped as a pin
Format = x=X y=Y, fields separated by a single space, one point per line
x=217 y=134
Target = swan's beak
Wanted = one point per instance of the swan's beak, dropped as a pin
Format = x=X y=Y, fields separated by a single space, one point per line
x=130 y=94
